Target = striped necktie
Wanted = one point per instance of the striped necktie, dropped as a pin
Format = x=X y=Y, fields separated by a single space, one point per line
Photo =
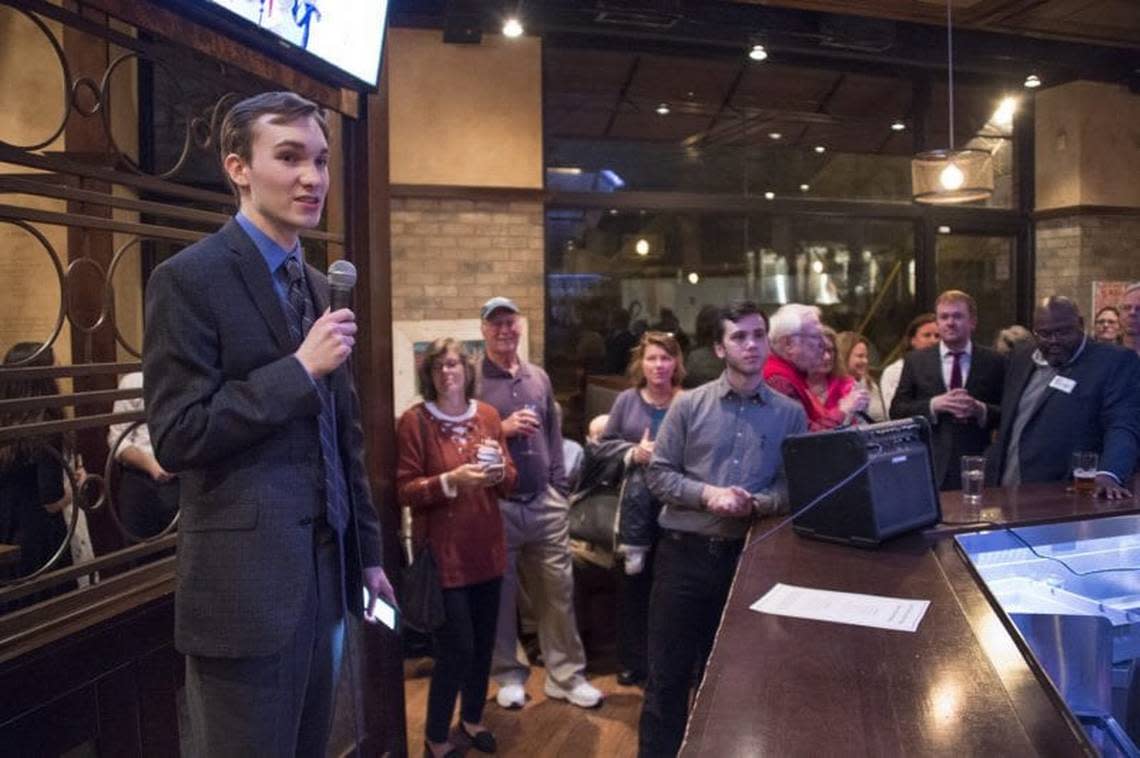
x=300 y=312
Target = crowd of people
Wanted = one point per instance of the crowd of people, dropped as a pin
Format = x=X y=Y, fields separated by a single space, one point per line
x=686 y=471
x=251 y=405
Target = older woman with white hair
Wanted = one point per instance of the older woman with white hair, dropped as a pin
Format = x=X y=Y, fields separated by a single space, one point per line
x=796 y=337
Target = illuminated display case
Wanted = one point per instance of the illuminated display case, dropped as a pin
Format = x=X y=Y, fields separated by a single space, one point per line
x=1073 y=591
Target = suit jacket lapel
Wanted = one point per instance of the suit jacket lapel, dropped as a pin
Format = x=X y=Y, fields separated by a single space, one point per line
x=259 y=283
x=936 y=367
x=977 y=365
x=1018 y=378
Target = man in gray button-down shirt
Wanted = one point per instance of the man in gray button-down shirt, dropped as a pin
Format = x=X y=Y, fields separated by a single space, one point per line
x=716 y=464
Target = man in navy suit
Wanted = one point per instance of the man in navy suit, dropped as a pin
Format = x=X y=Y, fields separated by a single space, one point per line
x=956 y=384
x=1067 y=394
x=251 y=403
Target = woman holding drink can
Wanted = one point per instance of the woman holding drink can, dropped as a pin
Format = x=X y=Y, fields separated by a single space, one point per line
x=453 y=466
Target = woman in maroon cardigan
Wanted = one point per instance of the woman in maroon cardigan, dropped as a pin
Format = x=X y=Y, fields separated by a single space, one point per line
x=453 y=465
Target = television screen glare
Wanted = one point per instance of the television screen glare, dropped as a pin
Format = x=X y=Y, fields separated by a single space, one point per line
x=349 y=34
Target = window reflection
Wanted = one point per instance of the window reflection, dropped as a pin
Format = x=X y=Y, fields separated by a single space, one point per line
x=602 y=293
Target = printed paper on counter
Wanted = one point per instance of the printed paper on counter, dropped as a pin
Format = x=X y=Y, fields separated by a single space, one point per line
x=894 y=613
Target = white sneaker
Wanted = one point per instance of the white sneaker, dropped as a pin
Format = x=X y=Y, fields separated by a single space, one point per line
x=582 y=694
x=511 y=696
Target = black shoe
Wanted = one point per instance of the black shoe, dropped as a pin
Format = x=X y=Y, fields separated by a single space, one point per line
x=630 y=677
x=483 y=741
x=453 y=753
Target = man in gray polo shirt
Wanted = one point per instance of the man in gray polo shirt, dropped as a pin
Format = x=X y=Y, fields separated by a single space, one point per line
x=535 y=519
x=716 y=465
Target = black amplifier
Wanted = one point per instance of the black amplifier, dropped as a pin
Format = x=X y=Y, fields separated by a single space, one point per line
x=893 y=493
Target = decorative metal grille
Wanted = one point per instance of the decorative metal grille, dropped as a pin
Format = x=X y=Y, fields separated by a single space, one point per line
x=126 y=176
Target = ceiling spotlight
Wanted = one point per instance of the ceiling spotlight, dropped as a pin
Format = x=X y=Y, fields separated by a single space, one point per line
x=512 y=28
x=758 y=53
x=820 y=149
x=774 y=135
x=769 y=195
x=694 y=277
x=641 y=247
x=898 y=126
x=943 y=230
x=613 y=211
x=662 y=109
x=805 y=187
x=1033 y=81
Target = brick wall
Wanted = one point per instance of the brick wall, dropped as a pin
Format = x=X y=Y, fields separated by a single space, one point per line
x=451 y=256
x=1075 y=251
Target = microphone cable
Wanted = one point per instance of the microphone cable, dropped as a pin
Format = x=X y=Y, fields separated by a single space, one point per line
x=816 y=501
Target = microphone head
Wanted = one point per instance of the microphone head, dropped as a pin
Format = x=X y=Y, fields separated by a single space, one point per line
x=342 y=275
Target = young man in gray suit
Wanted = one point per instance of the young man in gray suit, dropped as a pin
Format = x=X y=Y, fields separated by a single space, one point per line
x=252 y=405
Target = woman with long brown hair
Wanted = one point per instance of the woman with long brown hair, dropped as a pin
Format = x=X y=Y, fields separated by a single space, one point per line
x=32 y=495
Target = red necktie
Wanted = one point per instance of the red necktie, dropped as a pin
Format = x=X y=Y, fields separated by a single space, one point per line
x=956 y=370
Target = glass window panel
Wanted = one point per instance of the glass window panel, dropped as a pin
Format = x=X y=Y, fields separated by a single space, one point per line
x=983 y=267
x=611 y=272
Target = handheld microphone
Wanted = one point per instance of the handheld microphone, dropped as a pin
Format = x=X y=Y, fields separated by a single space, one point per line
x=342 y=278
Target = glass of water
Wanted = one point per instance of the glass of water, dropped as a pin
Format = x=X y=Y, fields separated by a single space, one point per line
x=973 y=477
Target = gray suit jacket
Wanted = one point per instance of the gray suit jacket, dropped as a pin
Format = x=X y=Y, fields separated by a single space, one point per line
x=235 y=415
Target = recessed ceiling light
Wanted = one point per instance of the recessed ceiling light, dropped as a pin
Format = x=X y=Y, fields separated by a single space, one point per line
x=943 y=230
x=769 y=195
x=512 y=28
x=805 y=187
x=774 y=135
x=758 y=53
x=613 y=211
x=1032 y=81
x=898 y=126
x=663 y=109
x=694 y=277
x=820 y=149
x=641 y=247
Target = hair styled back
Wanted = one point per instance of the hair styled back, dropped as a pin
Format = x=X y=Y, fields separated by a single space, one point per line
x=958 y=296
x=666 y=342
x=437 y=350
x=789 y=320
x=236 y=135
x=735 y=311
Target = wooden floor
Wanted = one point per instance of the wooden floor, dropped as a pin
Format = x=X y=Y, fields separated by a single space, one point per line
x=544 y=727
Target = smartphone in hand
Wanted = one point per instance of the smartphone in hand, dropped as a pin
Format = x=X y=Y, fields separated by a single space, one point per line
x=379 y=610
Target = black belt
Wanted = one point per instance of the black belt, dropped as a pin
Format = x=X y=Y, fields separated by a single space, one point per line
x=712 y=544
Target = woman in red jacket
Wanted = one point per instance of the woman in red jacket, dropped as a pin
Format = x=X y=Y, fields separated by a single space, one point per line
x=453 y=465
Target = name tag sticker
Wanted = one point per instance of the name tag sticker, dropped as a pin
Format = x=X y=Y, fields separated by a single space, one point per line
x=1063 y=383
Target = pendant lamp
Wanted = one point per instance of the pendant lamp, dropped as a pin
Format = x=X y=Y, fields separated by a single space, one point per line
x=944 y=177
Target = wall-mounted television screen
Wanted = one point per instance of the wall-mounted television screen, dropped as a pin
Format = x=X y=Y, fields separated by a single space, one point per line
x=347 y=34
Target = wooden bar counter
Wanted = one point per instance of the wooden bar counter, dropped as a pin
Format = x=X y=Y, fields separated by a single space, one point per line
x=961 y=684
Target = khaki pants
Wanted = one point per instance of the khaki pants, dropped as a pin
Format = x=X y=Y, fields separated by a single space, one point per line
x=538 y=549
